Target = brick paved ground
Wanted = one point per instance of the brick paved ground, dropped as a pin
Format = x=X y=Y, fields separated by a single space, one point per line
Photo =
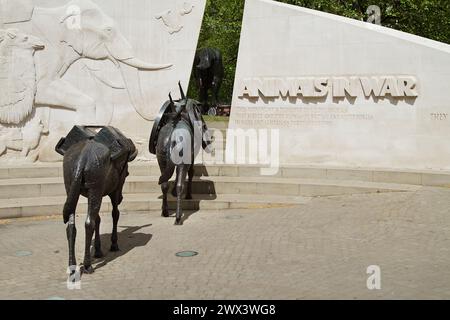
x=319 y=250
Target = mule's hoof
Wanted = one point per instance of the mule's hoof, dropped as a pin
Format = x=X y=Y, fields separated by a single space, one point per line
x=87 y=270
x=178 y=222
x=73 y=272
x=114 y=247
x=165 y=214
x=99 y=254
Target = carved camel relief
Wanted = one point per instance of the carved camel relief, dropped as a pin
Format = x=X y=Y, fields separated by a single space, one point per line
x=18 y=79
x=78 y=30
x=17 y=75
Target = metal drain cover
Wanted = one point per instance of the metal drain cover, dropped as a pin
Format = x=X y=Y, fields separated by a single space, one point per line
x=186 y=254
x=234 y=217
x=23 y=253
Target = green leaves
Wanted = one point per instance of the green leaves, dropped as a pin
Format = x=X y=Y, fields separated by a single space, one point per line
x=221 y=29
x=426 y=18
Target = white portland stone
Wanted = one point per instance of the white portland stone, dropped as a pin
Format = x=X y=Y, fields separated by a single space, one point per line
x=342 y=92
x=97 y=62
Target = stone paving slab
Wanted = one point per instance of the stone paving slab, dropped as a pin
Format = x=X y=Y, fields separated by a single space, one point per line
x=316 y=251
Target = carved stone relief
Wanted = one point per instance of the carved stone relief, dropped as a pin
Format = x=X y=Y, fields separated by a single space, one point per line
x=76 y=62
x=82 y=33
x=24 y=140
x=172 y=18
x=17 y=75
x=15 y=11
x=20 y=128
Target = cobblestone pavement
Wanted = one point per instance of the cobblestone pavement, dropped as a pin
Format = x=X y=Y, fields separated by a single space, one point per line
x=319 y=250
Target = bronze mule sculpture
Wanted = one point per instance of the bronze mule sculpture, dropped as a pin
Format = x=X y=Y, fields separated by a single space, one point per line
x=95 y=165
x=208 y=73
x=178 y=133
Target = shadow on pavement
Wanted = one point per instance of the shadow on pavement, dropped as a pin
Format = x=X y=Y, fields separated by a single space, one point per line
x=203 y=190
x=129 y=238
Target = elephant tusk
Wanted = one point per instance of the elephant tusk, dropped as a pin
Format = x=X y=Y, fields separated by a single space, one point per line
x=138 y=64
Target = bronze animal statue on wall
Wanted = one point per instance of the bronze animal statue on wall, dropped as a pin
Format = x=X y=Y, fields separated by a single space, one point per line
x=208 y=73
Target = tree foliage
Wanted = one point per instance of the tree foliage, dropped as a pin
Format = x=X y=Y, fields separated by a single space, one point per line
x=221 y=29
x=222 y=24
x=426 y=18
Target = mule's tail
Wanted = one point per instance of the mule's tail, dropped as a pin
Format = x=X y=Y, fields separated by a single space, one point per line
x=73 y=193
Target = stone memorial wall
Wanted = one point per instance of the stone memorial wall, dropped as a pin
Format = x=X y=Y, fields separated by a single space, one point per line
x=91 y=62
x=341 y=92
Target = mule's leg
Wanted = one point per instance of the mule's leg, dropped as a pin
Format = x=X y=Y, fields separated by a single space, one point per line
x=204 y=99
x=174 y=189
x=216 y=88
x=165 y=205
x=116 y=199
x=189 y=186
x=167 y=170
x=98 y=244
x=94 y=204
x=181 y=177
x=71 y=232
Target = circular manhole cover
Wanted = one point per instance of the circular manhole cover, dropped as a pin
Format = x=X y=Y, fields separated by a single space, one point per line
x=233 y=217
x=23 y=253
x=186 y=254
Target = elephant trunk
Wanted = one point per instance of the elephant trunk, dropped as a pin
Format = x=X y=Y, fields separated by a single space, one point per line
x=121 y=51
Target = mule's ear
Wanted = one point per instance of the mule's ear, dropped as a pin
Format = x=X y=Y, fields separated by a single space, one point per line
x=133 y=151
x=59 y=147
x=183 y=96
x=133 y=156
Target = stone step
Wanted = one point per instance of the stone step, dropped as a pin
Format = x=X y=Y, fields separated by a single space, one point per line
x=412 y=177
x=48 y=206
x=256 y=186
